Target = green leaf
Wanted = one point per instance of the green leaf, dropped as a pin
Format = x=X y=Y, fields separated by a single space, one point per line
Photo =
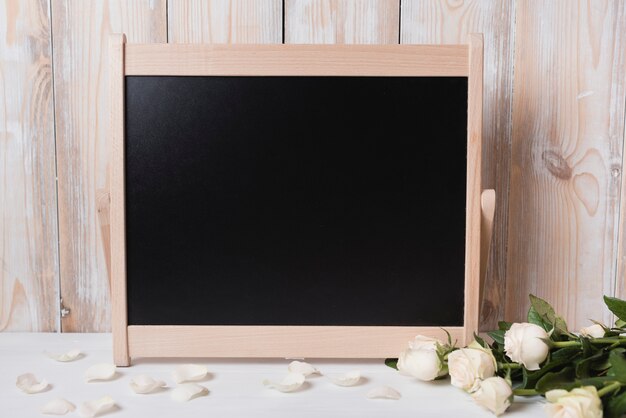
x=618 y=365
x=480 y=341
x=535 y=318
x=620 y=324
x=585 y=367
x=504 y=326
x=392 y=362
x=555 y=363
x=616 y=406
x=567 y=353
x=617 y=306
x=564 y=379
x=497 y=336
x=546 y=311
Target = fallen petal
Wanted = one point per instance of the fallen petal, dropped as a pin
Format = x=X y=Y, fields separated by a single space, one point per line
x=102 y=371
x=303 y=368
x=189 y=372
x=384 y=392
x=290 y=383
x=145 y=384
x=188 y=391
x=28 y=383
x=92 y=408
x=347 y=379
x=68 y=356
x=58 y=407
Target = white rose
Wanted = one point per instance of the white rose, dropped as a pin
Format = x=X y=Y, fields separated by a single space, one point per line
x=420 y=360
x=495 y=394
x=423 y=363
x=581 y=402
x=475 y=345
x=523 y=344
x=593 y=331
x=424 y=342
x=468 y=366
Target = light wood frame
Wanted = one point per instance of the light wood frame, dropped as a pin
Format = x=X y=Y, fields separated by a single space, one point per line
x=299 y=60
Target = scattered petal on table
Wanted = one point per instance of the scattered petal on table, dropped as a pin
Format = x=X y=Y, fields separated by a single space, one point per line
x=188 y=391
x=28 y=383
x=303 y=368
x=189 y=372
x=93 y=408
x=347 y=379
x=68 y=356
x=145 y=384
x=58 y=406
x=103 y=371
x=290 y=383
x=384 y=392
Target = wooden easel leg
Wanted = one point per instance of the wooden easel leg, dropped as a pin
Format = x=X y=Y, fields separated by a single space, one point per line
x=488 y=208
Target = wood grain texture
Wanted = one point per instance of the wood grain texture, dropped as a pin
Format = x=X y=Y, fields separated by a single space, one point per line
x=119 y=311
x=342 y=21
x=302 y=60
x=473 y=217
x=225 y=21
x=277 y=341
x=568 y=137
x=488 y=207
x=29 y=269
x=450 y=22
x=81 y=32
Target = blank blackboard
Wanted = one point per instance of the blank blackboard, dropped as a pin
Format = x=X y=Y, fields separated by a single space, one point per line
x=295 y=200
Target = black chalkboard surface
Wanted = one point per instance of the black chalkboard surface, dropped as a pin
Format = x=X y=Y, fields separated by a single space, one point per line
x=295 y=200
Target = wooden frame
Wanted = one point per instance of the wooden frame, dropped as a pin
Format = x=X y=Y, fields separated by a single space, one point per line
x=305 y=60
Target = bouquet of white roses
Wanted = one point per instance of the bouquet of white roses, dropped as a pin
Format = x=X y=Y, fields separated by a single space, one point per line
x=581 y=375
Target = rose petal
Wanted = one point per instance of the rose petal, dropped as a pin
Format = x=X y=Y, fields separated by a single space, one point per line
x=189 y=372
x=92 y=408
x=103 y=371
x=68 y=356
x=384 y=392
x=290 y=383
x=28 y=383
x=188 y=391
x=303 y=368
x=347 y=379
x=145 y=384
x=58 y=406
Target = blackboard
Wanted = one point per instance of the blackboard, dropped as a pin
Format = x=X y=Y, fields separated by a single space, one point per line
x=295 y=200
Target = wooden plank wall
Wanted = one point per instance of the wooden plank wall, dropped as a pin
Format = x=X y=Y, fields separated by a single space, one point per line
x=555 y=94
x=80 y=44
x=29 y=267
x=566 y=168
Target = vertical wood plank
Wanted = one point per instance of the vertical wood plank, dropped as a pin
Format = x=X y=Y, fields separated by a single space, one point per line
x=29 y=270
x=80 y=49
x=473 y=218
x=445 y=22
x=225 y=21
x=567 y=136
x=119 y=314
x=342 y=21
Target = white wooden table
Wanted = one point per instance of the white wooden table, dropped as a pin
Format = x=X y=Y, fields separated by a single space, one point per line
x=235 y=386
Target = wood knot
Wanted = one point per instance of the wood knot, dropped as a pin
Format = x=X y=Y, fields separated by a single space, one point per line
x=557 y=165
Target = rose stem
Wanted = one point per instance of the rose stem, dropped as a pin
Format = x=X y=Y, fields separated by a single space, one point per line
x=509 y=366
x=609 y=388
x=525 y=392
